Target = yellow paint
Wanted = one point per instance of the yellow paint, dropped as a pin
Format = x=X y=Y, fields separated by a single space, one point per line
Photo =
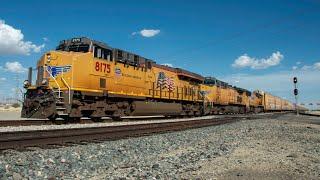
x=120 y=78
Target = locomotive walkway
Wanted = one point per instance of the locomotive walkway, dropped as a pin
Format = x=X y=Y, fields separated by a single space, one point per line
x=42 y=138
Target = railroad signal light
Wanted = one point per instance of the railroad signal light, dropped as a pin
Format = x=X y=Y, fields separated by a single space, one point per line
x=295 y=92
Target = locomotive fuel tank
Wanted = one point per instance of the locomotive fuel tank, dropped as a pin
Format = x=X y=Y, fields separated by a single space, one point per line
x=155 y=108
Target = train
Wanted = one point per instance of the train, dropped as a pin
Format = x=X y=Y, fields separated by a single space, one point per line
x=88 y=78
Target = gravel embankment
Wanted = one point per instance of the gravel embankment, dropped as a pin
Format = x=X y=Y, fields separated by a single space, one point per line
x=91 y=125
x=258 y=149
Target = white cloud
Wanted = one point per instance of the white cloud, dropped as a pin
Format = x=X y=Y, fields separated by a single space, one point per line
x=3 y=79
x=247 y=61
x=12 y=43
x=167 y=64
x=45 y=39
x=306 y=67
x=147 y=32
x=316 y=65
x=298 y=62
x=14 y=67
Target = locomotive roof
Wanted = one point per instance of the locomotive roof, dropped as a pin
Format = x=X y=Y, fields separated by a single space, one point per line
x=240 y=90
x=84 y=40
x=181 y=72
x=213 y=80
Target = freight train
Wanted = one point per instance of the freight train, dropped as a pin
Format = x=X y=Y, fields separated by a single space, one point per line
x=88 y=78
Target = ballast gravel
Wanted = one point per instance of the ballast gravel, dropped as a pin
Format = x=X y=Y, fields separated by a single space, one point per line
x=282 y=148
x=91 y=125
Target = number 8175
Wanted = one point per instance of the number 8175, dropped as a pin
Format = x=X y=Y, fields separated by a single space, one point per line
x=102 y=67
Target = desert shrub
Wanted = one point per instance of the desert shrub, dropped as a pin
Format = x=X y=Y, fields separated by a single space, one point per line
x=15 y=105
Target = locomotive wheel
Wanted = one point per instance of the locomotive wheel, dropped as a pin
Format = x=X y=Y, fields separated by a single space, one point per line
x=116 y=118
x=52 y=118
x=74 y=120
x=96 y=119
x=67 y=119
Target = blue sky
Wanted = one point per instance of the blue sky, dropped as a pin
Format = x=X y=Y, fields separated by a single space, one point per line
x=242 y=42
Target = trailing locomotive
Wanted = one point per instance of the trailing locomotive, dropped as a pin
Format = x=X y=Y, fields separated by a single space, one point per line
x=87 y=78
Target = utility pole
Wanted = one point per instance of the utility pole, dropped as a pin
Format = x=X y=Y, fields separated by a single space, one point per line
x=17 y=89
x=295 y=92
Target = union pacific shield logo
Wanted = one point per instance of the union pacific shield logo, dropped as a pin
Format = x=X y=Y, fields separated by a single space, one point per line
x=56 y=70
x=117 y=72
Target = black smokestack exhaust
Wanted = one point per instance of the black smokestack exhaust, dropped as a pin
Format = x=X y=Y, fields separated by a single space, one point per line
x=30 y=75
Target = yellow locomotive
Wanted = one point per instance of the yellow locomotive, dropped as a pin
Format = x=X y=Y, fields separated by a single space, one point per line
x=221 y=98
x=87 y=78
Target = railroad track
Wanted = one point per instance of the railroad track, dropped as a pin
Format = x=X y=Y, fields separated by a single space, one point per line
x=309 y=114
x=14 y=123
x=23 y=139
x=43 y=138
x=4 y=123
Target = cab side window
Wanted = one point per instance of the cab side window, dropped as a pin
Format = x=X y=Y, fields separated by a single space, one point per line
x=107 y=54
x=102 y=53
x=119 y=53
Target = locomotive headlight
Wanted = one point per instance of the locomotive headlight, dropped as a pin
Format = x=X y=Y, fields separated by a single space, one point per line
x=48 y=58
x=44 y=82
x=26 y=84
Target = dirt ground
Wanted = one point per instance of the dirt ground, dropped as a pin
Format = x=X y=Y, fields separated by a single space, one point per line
x=286 y=147
x=283 y=148
x=10 y=114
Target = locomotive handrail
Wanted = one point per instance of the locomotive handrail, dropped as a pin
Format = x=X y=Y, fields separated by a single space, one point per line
x=69 y=89
x=54 y=80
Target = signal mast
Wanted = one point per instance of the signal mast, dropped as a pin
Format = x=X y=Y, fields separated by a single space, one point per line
x=295 y=92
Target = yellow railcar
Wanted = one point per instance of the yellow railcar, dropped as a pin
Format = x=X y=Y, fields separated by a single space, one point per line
x=274 y=103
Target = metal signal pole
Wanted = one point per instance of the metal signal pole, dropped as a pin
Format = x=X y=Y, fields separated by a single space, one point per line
x=295 y=92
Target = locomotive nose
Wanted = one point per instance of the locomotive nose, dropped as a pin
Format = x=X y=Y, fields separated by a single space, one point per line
x=38 y=104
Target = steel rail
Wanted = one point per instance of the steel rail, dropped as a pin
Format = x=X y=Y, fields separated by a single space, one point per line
x=6 y=123
x=309 y=114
